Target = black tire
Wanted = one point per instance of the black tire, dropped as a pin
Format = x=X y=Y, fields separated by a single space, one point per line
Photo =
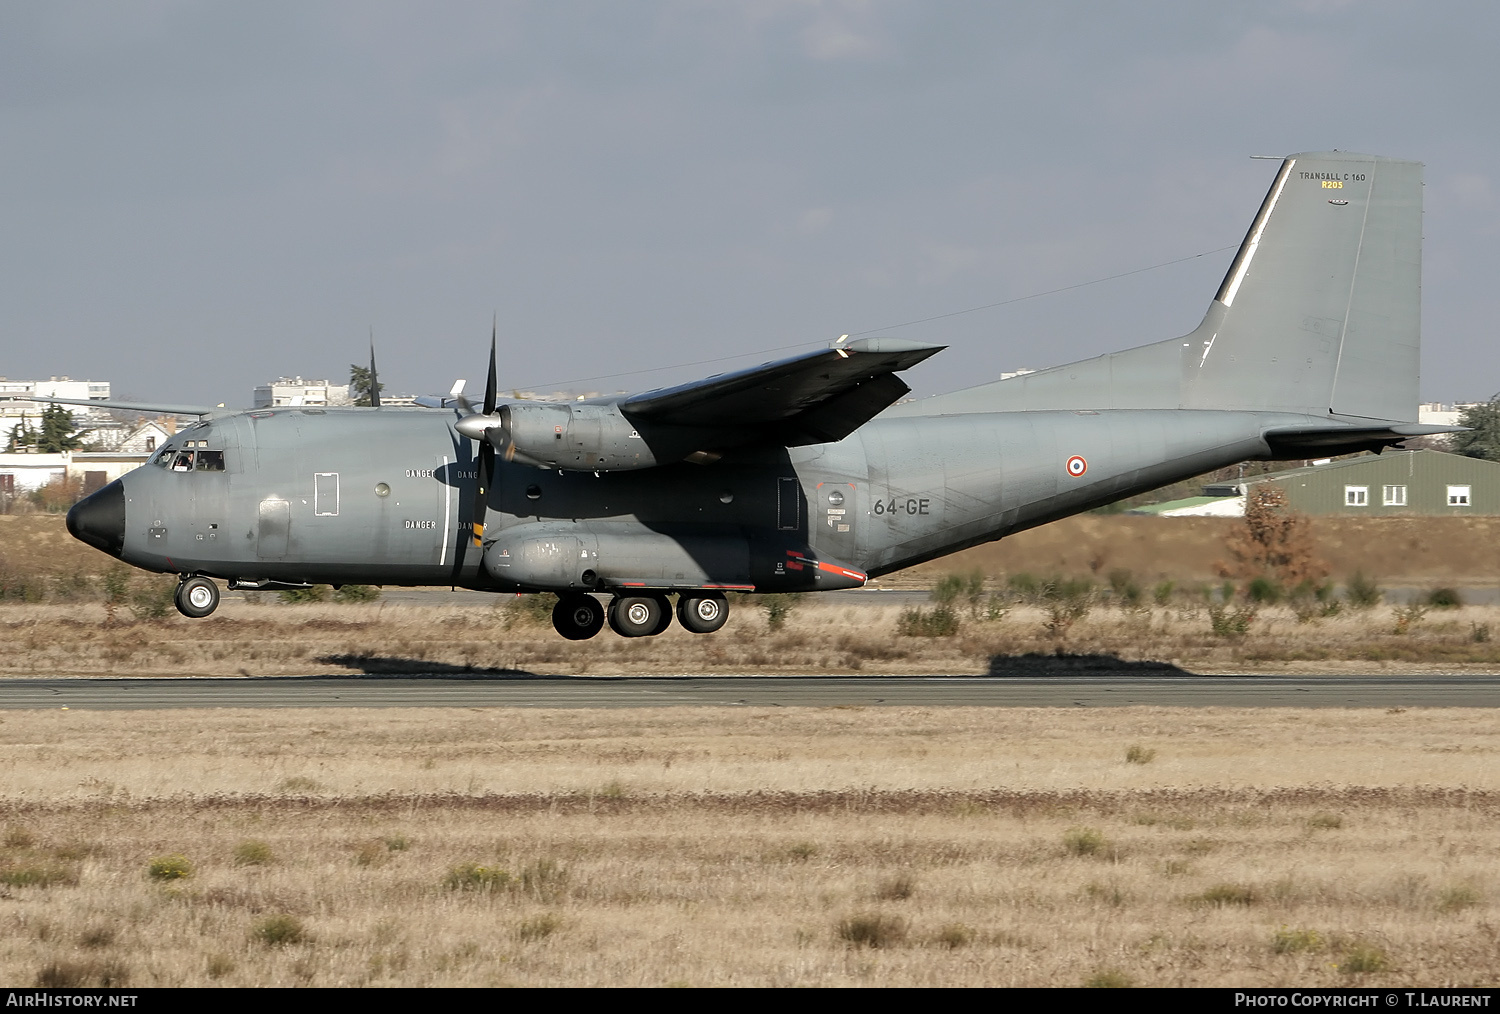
x=636 y=615
x=666 y=614
x=196 y=597
x=702 y=614
x=577 y=617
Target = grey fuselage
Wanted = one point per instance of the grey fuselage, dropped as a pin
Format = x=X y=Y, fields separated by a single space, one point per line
x=380 y=497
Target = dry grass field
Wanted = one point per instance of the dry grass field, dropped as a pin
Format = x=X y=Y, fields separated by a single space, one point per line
x=750 y=847
x=275 y=639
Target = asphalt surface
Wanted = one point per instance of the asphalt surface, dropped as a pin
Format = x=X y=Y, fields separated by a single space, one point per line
x=524 y=691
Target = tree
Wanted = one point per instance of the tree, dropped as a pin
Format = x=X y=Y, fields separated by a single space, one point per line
x=24 y=435
x=1274 y=542
x=359 y=384
x=59 y=432
x=1483 y=440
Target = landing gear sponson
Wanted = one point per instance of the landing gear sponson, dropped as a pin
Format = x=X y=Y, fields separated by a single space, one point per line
x=578 y=616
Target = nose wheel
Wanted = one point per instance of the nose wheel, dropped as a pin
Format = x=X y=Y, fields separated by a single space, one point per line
x=196 y=597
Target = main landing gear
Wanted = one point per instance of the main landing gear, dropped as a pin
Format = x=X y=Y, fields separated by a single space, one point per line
x=196 y=597
x=579 y=617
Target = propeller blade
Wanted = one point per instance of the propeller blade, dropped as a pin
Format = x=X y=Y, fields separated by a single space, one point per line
x=482 y=490
x=374 y=384
x=489 y=385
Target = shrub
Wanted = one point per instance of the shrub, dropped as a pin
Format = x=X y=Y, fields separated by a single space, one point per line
x=174 y=867
x=356 y=593
x=38 y=875
x=872 y=930
x=778 y=607
x=278 y=930
x=534 y=610
x=1025 y=587
x=1363 y=958
x=1407 y=617
x=1066 y=601
x=253 y=853
x=1127 y=593
x=153 y=598
x=303 y=596
x=539 y=927
x=1109 y=978
x=96 y=936
x=1362 y=592
x=1222 y=895
x=1455 y=899
x=544 y=880
x=397 y=843
x=940 y=622
x=1263 y=591
x=954 y=935
x=948 y=588
x=1137 y=754
x=802 y=851
x=898 y=888
x=1296 y=941
x=1444 y=598
x=82 y=975
x=1325 y=822
x=1479 y=632
x=1162 y=593
x=1226 y=623
x=1083 y=841
x=474 y=877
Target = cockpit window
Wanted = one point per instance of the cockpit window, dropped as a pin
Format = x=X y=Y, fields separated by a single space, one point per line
x=184 y=460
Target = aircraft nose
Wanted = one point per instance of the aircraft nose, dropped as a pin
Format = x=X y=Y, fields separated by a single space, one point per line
x=99 y=519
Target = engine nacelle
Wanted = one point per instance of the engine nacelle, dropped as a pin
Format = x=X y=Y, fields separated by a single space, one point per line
x=582 y=437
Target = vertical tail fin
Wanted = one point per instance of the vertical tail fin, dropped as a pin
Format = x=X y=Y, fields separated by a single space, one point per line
x=1319 y=314
x=1320 y=311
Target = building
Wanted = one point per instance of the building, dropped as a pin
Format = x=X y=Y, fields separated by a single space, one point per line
x=291 y=392
x=25 y=473
x=12 y=411
x=1421 y=482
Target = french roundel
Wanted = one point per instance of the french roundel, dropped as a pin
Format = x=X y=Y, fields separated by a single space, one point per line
x=1077 y=466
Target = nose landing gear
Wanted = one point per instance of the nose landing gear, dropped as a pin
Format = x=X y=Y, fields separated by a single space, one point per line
x=196 y=597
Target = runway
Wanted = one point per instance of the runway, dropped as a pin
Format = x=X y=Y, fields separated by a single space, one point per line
x=522 y=691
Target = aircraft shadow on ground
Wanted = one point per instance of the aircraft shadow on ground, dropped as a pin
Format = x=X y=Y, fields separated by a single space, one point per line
x=1036 y=664
x=376 y=665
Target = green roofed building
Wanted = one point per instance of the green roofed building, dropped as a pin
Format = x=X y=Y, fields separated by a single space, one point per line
x=1394 y=483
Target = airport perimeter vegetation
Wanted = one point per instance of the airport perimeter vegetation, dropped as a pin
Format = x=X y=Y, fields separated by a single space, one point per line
x=756 y=845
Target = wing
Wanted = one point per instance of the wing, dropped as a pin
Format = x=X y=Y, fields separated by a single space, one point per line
x=812 y=398
x=129 y=406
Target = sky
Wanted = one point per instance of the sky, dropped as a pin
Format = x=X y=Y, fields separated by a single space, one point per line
x=200 y=197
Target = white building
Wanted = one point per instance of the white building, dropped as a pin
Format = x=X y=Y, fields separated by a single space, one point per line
x=11 y=412
x=291 y=392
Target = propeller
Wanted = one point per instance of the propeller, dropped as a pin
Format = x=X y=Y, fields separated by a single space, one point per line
x=477 y=426
x=374 y=384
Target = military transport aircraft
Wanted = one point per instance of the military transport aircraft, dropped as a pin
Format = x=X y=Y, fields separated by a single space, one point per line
x=805 y=473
